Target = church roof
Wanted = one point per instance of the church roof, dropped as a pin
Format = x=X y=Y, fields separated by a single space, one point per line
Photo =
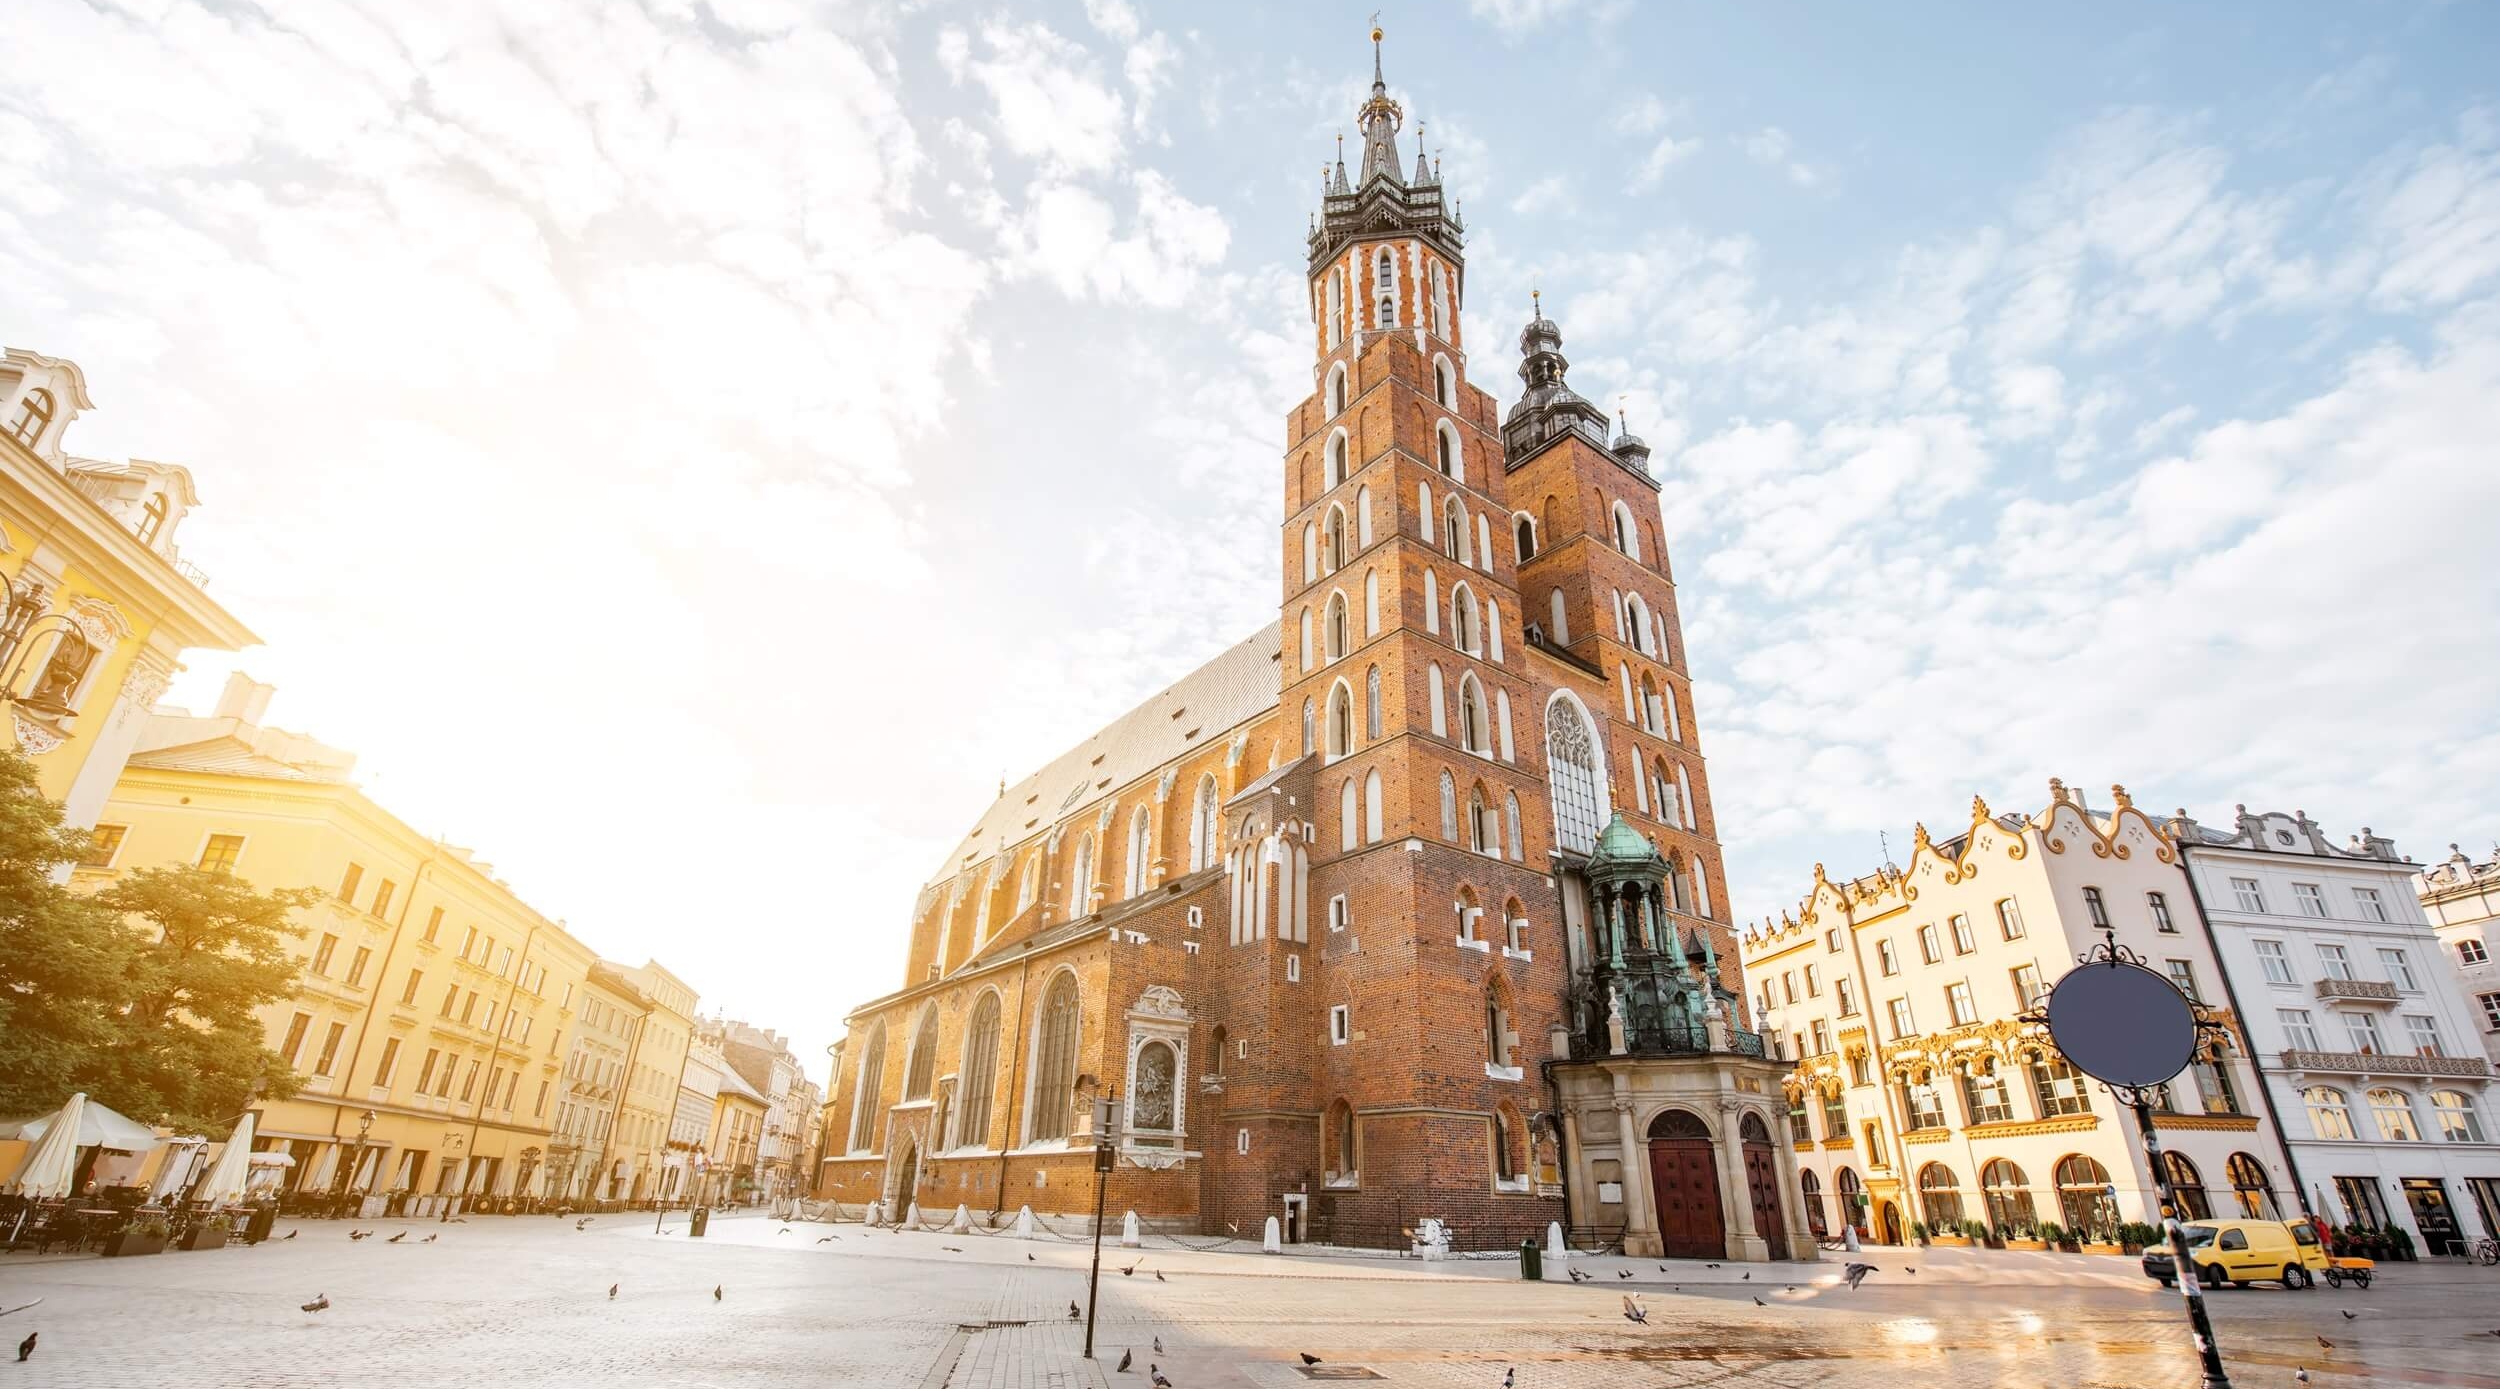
x=1195 y=713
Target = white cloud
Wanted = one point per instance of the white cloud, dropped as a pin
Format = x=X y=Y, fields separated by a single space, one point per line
x=1517 y=16
x=1667 y=153
x=1070 y=236
x=2030 y=400
x=1046 y=96
x=1550 y=196
x=1773 y=147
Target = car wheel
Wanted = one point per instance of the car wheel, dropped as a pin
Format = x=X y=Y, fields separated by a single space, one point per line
x=2212 y=1276
x=2295 y=1277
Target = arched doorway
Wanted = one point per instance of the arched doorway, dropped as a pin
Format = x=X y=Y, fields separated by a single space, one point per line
x=2084 y=1198
x=1684 y=1178
x=1810 y=1188
x=2250 y=1188
x=907 y=1178
x=2187 y=1186
x=1762 y=1184
x=1852 y=1195
x=1891 y=1219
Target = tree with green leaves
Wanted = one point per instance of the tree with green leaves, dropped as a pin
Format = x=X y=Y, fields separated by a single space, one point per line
x=190 y=1050
x=143 y=995
x=64 y=961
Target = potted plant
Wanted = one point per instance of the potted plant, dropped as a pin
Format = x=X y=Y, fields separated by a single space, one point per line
x=1918 y=1231
x=2400 y=1243
x=143 y=1234
x=208 y=1232
x=2025 y=1235
x=2101 y=1239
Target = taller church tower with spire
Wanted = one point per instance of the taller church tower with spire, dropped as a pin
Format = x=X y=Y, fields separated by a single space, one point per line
x=1408 y=908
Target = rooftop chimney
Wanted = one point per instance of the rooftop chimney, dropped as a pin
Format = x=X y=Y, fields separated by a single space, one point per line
x=244 y=698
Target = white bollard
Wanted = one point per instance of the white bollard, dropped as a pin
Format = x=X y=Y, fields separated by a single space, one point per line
x=1274 y=1243
x=962 y=1220
x=1128 y=1231
x=1554 y=1250
x=874 y=1215
x=911 y=1215
x=1024 y=1222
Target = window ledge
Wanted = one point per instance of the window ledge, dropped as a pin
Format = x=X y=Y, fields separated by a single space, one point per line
x=1516 y=954
x=1493 y=1072
x=1351 y=1181
x=1514 y=1185
x=1480 y=946
x=910 y=1104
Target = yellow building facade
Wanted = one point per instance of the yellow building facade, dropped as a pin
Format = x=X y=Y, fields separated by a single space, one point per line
x=656 y=1061
x=435 y=1008
x=99 y=604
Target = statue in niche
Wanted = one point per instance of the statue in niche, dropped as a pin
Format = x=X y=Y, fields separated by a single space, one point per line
x=1152 y=1103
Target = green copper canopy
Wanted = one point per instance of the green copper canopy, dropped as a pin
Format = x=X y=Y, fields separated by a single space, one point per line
x=1625 y=853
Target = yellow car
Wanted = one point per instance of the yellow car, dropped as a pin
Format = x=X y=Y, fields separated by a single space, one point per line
x=2240 y=1252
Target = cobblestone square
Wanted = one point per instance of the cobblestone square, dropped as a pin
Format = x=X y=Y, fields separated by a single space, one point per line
x=525 y=1302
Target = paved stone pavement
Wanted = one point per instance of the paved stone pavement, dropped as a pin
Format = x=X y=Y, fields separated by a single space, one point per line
x=524 y=1303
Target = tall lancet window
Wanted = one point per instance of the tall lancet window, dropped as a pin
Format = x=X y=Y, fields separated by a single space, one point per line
x=1385 y=289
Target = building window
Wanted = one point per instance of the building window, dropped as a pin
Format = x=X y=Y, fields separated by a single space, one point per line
x=2335 y=962
x=2244 y=891
x=451 y=999
x=1957 y=999
x=2060 y=1088
x=1835 y=1115
x=2422 y=1031
x=1963 y=941
x=433 y=925
x=2213 y=1082
x=2470 y=951
x=922 y=1069
x=1845 y=991
x=1822 y=1038
x=1921 y=1102
x=1984 y=1093
x=2183 y=974
x=1886 y=962
x=2330 y=1115
x=34 y=413
x=2399 y=970
x=2312 y=901
x=329 y=1049
x=408 y=995
x=1340 y=1026
x=2273 y=961
x=2372 y=907
x=221 y=853
x=2161 y=913
x=1338 y=913
x=296 y=1027
x=468 y=1006
x=2392 y=1110
x=1054 y=1062
x=2010 y=918
x=2458 y=1123
x=2095 y=908
x=1571 y=766
x=347 y=883
x=1930 y=948
x=382 y=897
x=2026 y=985
x=2298 y=1028
x=2363 y=1030
x=356 y=966
x=322 y=952
x=103 y=842
x=2491 y=1010
x=867 y=1094
x=1901 y=1024
x=1814 y=981
x=980 y=1074
x=425 y=1071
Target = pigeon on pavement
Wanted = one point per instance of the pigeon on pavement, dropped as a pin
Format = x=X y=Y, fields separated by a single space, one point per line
x=828 y=1239
x=2300 y=1374
x=26 y=1347
x=1158 y=1345
x=1156 y=1378
x=1074 y=1314
x=951 y=1249
x=612 y=1287
x=1125 y=1357
x=358 y=1234
x=584 y=1222
x=716 y=1292
x=1308 y=1358
x=396 y=1238
x=292 y=1234
x=1758 y=1302
x=2325 y=1344
x=318 y=1304
x=1131 y=1270
x=1633 y=1311
x=1160 y=1278
x=1855 y=1274
x=2348 y=1315
x=429 y=1239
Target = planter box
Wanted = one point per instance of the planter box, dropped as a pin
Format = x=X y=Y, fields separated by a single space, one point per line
x=2029 y=1246
x=1949 y=1241
x=2103 y=1249
x=122 y=1242
x=204 y=1237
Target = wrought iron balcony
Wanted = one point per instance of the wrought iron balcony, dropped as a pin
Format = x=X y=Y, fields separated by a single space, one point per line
x=2360 y=990
x=2373 y=1063
x=1665 y=1037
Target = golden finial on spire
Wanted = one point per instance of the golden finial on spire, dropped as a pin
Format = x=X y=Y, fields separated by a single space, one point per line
x=1536 y=297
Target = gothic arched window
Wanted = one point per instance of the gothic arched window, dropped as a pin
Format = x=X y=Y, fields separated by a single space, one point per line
x=867 y=1091
x=1484 y=833
x=1202 y=825
x=1140 y=852
x=1054 y=1063
x=1627 y=535
x=1440 y=304
x=1449 y=808
x=1310 y=727
x=1349 y=816
x=1081 y=882
x=1523 y=537
x=923 y=1065
x=1571 y=771
x=1448 y=454
x=1510 y=818
x=980 y=1075
x=1336 y=458
x=1471 y=721
x=1371 y=807
x=1466 y=630
x=1371 y=704
x=34 y=413
x=1385 y=289
x=1455 y=541
x=1336 y=399
x=1340 y=720
x=1336 y=307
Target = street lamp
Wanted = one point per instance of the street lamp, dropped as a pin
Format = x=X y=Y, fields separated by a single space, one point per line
x=22 y=619
x=356 y=1155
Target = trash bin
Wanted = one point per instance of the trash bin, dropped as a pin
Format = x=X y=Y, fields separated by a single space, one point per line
x=702 y=1217
x=1531 y=1262
x=263 y=1219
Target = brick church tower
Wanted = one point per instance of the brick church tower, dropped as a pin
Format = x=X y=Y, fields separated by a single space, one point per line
x=1409 y=907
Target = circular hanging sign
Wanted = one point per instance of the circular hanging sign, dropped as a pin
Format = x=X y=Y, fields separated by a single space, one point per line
x=2122 y=1024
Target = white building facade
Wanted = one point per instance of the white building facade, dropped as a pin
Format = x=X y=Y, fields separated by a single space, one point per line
x=1921 y=1095
x=2370 y=1046
x=2462 y=900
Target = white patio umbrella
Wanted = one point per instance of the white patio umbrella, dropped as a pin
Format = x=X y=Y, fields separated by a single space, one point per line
x=51 y=1165
x=94 y=1125
x=323 y=1169
x=224 y=1181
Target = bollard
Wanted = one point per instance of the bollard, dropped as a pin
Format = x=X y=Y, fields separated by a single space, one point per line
x=1531 y=1263
x=911 y=1215
x=1554 y=1242
x=1128 y=1231
x=1274 y=1242
x=962 y=1220
x=1024 y=1222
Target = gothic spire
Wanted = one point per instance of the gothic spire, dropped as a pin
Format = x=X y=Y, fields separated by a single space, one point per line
x=1380 y=118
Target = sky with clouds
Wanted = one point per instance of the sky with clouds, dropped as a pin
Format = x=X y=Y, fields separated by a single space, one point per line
x=692 y=451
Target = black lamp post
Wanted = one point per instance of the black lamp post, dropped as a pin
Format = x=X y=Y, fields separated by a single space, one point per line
x=22 y=620
x=356 y=1155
